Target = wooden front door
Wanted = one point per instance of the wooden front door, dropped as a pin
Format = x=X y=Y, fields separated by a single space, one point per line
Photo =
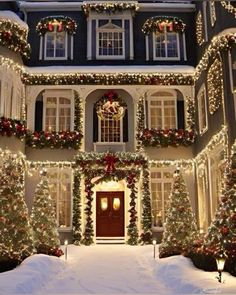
x=110 y=214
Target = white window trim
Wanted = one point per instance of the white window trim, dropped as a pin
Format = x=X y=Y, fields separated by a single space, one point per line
x=119 y=30
x=162 y=181
x=163 y=98
x=56 y=58
x=204 y=4
x=165 y=58
x=57 y=93
x=70 y=173
x=202 y=89
x=110 y=142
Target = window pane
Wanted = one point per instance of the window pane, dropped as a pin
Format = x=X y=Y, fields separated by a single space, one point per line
x=110 y=130
x=60 y=44
x=172 y=46
x=160 y=45
x=110 y=43
x=50 y=45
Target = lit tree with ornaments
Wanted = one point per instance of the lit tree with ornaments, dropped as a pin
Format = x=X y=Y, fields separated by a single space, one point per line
x=43 y=220
x=221 y=236
x=180 y=229
x=16 y=241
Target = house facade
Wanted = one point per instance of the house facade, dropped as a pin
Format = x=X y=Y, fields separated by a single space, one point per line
x=110 y=97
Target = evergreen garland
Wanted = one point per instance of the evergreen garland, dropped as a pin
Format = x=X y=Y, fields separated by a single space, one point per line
x=140 y=121
x=77 y=234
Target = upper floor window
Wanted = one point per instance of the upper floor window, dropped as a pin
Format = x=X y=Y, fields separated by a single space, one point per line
x=55 y=45
x=56 y=37
x=168 y=38
x=163 y=110
x=202 y=111
x=110 y=41
x=166 y=46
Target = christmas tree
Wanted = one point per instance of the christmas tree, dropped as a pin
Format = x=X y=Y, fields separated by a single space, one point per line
x=221 y=237
x=43 y=220
x=16 y=241
x=180 y=229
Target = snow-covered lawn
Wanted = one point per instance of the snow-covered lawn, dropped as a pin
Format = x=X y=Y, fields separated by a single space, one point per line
x=111 y=269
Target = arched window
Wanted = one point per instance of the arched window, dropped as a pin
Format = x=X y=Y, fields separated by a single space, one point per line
x=54 y=111
x=165 y=111
x=110 y=119
x=55 y=45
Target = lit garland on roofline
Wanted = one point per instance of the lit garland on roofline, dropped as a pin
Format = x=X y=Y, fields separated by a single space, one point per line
x=109 y=7
x=228 y=6
x=108 y=79
x=14 y=37
x=218 y=44
x=162 y=23
x=58 y=22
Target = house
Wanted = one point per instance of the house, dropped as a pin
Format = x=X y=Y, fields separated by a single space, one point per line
x=114 y=96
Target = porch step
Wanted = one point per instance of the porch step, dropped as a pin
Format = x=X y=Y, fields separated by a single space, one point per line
x=110 y=240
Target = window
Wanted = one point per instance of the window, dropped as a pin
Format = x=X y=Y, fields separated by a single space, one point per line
x=216 y=177
x=203 y=203
x=110 y=41
x=202 y=111
x=163 y=111
x=166 y=45
x=61 y=192
x=161 y=182
x=56 y=45
x=57 y=112
x=110 y=130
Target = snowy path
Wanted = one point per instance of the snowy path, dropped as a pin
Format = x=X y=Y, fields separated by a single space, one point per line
x=110 y=269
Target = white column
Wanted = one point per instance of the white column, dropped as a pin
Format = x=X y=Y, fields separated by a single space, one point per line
x=89 y=39
x=147 y=47
x=131 y=39
x=41 y=48
x=184 y=46
x=72 y=47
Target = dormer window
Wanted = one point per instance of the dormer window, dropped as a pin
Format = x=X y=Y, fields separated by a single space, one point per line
x=166 y=46
x=56 y=38
x=55 y=45
x=165 y=38
x=110 y=41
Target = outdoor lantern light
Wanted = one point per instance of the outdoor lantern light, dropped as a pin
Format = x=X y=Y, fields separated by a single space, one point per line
x=154 y=242
x=220 y=261
x=66 y=244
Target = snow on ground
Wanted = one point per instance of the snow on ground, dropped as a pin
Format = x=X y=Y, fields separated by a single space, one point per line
x=112 y=269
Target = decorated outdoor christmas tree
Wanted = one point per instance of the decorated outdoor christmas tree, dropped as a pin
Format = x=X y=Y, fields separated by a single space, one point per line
x=43 y=220
x=180 y=229
x=221 y=237
x=15 y=232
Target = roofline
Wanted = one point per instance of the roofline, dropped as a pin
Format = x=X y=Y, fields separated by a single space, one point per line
x=76 y=6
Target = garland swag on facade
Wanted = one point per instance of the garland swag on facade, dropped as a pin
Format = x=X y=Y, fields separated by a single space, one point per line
x=109 y=166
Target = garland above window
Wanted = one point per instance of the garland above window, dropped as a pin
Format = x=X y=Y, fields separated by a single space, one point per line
x=108 y=7
x=60 y=23
x=14 y=37
x=111 y=106
x=162 y=23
